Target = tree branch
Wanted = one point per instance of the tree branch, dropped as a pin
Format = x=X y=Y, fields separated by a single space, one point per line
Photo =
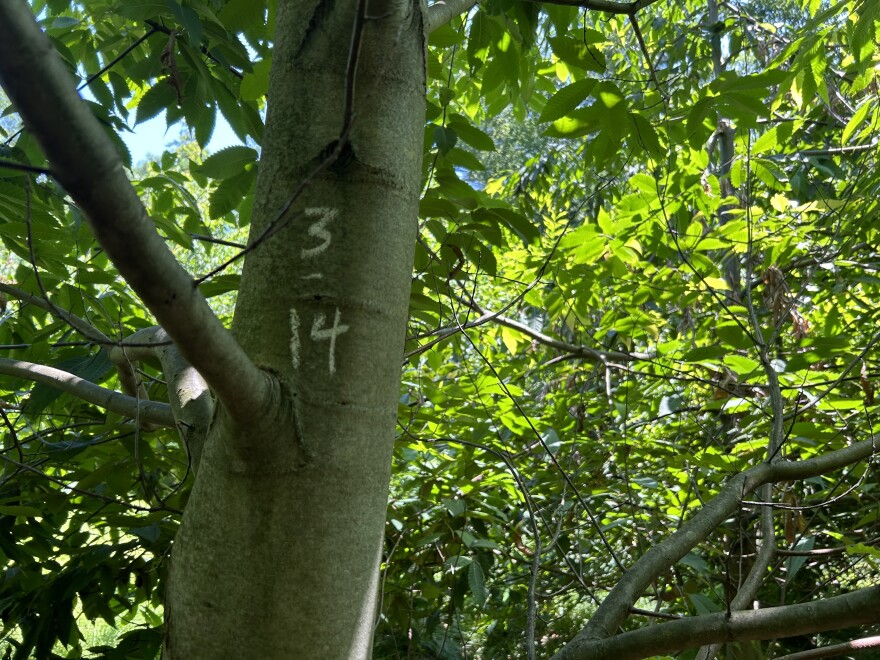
x=12 y=165
x=187 y=391
x=614 y=609
x=835 y=650
x=443 y=11
x=607 y=6
x=131 y=385
x=149 y=411
x=574 y=351
x=578 y=350
x=856 y=608
x=86 y=163
x=83 y=327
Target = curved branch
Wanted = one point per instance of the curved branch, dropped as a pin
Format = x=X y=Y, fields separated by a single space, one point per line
x=187 y=391
x=835 y=650
x=852 y=609
x=614 y=609
x=443 y=11
x=86 y=163
x=149 y=411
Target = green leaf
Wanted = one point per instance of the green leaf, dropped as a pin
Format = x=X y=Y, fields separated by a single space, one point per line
x=566 y=100
x=455 y=507
x=703 y=604
x=445 y=139
x=242 y=14
x=866 y=25
x=189 y=19
x=730 y=81
x=141 y=9
x=795 y=563
x=698 y=128
x=695 y=562
x=255 y=84
x=744 y=108
x=231 y=193
x=470 y=134
x=732 y=335
x=856 y=120
x=645 y=135
x=767 y=142
x=742 y=365
x=576 y=123
x=863 y=549
x=514 y=221
x=204 y=125
x=157 y=99
x=220 y=284
x=477 y=582
x=576 y=53
x=228 y=163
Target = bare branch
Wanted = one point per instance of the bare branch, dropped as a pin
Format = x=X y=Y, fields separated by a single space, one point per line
x=150 y=411
x=856 y=608
x=614 y=609
x=833 y=151
x=217 y=241
x=12 y=165
x=579 y=350
x=86 y=163
x=443 y=11
x=573 y=351
x=836 y=650
x=767 y=550
x=644 y=47
x=607 y=6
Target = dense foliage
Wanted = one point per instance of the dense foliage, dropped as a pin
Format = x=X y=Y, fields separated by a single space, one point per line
x=648 y=261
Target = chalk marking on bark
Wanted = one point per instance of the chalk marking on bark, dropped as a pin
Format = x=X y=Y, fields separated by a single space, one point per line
x=320 y=332
x=294 y=338
x=319 y=230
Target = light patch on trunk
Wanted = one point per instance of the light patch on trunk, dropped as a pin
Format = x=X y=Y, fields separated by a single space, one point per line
x=294 y=338
x=320 y=332
x=319 y=230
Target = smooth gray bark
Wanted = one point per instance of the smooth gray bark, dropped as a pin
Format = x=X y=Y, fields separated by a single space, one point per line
x=145 y=411
x=188 y=394
x=278 y=553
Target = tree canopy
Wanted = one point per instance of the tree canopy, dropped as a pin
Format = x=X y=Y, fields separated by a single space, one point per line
x=636 y=413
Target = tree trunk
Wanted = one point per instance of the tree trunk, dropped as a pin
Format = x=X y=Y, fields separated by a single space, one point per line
x=278 y=552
